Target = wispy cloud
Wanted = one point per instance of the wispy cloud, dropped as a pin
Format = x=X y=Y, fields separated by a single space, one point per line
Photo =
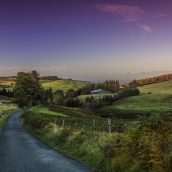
x=144 y=27
x=128 y=14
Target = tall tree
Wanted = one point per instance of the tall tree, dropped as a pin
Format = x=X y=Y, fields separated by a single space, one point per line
x=28 y=89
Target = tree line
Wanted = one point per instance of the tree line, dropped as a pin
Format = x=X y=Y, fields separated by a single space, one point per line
x=151 y=80
x=28 y=92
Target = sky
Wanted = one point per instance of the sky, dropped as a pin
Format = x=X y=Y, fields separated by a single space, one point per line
x=86 y=39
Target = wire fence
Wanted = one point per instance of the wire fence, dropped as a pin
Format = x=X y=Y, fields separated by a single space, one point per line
x=105 y=125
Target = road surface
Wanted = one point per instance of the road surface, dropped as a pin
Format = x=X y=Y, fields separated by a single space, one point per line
x=21 y=152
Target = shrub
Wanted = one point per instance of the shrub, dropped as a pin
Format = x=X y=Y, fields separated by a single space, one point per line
x=72 y=102
x=128 y=92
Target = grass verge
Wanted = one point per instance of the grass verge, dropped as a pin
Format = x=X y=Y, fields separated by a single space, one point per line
x=145 y=147
x=79 y=142
x=5 y=112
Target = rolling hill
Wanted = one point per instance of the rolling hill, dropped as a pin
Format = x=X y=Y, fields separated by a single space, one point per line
x=65 y=84
x=154 y=98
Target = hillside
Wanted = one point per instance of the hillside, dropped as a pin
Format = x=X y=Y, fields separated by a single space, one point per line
x=151 y=80
x=65 y=84
x=7 y=81
x=47 y=81
x=154 y=98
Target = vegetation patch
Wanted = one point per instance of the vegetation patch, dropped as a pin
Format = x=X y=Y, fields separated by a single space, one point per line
x=65 y=84
x=5 y=112
x=80 y=143
x=145 y=146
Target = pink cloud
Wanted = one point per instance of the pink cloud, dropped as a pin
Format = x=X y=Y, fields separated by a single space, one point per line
x=127 y=12
x=144 y=27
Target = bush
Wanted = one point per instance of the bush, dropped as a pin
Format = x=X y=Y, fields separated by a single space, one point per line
x=72 y=102
x=58 y=99
x=146 y=147
x=128 y=92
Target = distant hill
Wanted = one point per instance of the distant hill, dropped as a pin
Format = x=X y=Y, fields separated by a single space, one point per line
x=151 y=80
x=7 y=81
x=48 y=81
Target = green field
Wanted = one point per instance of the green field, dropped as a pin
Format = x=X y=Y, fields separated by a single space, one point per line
x=65 y=84
x=153 y=98
x=96 y=96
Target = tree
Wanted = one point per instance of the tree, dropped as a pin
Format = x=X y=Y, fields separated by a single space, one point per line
x=58 y=99
x=49 y=95
x=28 y=89
x=70 y=93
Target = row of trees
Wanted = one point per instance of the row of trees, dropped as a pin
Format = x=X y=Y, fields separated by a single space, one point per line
x=107 y=100
x=91 y=102
x=6 y=92
x=111 y=86
x=152 y=80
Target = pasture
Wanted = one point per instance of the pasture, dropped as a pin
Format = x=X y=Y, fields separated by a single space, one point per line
x=65 y=84
x=154 y=98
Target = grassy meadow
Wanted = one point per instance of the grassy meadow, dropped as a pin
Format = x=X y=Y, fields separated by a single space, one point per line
x=153 y=98
x=64 y=84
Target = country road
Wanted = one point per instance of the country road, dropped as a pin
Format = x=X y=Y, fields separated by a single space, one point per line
x=21 y=152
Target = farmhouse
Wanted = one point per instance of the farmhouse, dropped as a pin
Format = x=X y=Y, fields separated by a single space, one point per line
x=99 y=91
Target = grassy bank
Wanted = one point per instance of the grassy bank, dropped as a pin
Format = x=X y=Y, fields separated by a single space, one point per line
x=143 y=147
x=5 y=112
x=76 y=137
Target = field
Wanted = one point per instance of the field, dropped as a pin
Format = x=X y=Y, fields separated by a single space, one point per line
x=64 y=84
x=153 y=98
x=7 y=81
x=96 y=96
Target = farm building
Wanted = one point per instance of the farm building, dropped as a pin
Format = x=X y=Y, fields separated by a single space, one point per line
x=99 y=91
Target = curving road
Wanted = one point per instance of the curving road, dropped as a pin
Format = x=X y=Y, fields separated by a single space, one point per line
x=21 y=152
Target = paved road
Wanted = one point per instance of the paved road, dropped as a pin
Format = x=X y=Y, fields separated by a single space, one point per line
x=21 y=152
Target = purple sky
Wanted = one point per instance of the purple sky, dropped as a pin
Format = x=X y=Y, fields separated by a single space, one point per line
x=86 y=39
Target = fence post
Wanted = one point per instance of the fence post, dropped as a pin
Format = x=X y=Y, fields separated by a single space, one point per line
x=76 y=125
x=63 y=124
x=55 y=121
x=109 y=125
x=94 y=126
